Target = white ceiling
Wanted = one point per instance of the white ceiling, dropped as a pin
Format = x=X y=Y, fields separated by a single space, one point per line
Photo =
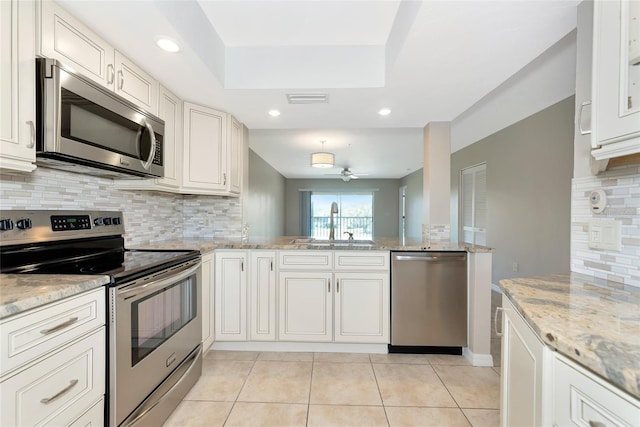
x=425 y=60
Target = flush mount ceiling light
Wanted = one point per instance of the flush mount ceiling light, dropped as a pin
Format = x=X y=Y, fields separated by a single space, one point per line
x=384 y=112
x=167 y=44
x=274 y=113
x=322 y=159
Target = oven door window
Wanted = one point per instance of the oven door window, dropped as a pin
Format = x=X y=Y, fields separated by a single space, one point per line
x=158 y=316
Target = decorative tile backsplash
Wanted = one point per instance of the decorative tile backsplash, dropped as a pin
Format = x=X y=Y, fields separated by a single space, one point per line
x=435 y=233
x=149 y=216
x=622 y=186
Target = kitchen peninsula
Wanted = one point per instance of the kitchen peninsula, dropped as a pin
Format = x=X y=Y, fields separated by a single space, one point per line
x=261 y=263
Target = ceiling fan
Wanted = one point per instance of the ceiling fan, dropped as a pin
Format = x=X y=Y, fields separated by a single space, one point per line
x=346 y=175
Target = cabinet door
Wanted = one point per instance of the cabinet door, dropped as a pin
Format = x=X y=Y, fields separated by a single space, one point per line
x=17 y=84
x=262 y=282
x=134 y=84
x=230 y=296
x=208 y=280
x=362 y=307
x=170 y=110
x=205 y=148
x=66 y=39
x=616 y=78
x=235 y=157
x=305 y=306
x=522 y=361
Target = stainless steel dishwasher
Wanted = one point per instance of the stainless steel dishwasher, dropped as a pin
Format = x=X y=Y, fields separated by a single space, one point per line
x=428 y=302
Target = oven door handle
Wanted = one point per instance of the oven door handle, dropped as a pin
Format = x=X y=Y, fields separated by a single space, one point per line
x=135 y=290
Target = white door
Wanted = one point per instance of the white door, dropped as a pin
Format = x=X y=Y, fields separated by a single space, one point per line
x=305 y=306
x=230 y=296
x=262 y=282
x=473 y=205
x=362 y=307
x=205 y=148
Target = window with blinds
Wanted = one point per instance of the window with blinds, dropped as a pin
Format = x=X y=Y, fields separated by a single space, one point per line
x=473 y=201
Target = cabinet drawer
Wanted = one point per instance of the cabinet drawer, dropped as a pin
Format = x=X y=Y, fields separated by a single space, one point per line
x=59 y=388
x=361 y=260
x=36 y=332
x=93 y=417
x=306 y=260
x=582 y=399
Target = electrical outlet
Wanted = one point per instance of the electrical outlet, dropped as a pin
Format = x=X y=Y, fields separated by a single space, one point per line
x=515 y=267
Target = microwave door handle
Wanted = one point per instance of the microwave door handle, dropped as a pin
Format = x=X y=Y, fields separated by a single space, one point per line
x=152 y=151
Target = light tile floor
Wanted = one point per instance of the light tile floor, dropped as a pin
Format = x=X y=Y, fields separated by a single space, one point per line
x=336 y=389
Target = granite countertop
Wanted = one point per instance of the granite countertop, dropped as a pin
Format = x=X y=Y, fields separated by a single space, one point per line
x=205 y=245
x=21 y=292
x=595 y=322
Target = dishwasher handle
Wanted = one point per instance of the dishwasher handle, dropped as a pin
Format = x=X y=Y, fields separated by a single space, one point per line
x=430 y=258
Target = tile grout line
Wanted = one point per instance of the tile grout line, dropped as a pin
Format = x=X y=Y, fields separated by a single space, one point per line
x=375 y=377
x=241 y=388
x=313 y=364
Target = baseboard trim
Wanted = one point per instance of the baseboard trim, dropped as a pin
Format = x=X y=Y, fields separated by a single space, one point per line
x=300 y=347
x=477 y=359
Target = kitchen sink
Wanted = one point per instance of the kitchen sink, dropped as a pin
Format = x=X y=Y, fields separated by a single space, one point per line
x=326 y=242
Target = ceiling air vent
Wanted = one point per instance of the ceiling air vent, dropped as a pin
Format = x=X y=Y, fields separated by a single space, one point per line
x=308 y=98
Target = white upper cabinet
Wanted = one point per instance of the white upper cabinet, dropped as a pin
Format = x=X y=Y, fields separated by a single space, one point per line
x=205 y=149
x=17 y=84
x=134 y=84
x=213 y=147
x=235 y=155
x=66 y=39
x=616 y=79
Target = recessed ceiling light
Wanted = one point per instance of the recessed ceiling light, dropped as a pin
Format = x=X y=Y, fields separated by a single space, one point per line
x=384 y=112
x=274 y=113
x=167 y=44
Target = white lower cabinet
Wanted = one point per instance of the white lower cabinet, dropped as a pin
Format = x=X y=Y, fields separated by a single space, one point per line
x=582 y=399
x=262 y=296
x=522 y=371
x=230 y=296
x=208 y=279
x=362 y=307
x=306 y=312
x=54 y=366
x=541 y=387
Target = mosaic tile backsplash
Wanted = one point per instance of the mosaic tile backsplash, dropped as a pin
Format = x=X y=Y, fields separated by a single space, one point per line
x=622 y=186
x=149 y=216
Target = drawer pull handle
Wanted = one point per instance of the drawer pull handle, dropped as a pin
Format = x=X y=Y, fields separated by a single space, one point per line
x=48 y=400
x=596 y=424
x=60 y=326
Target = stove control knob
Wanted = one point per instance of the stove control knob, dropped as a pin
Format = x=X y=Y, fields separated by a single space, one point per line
x=98 y=222
x=24 y=224
x=116 y=220
x=6 y=224
x=107 y=221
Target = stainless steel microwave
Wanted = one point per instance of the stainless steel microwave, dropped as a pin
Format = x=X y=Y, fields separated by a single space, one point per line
x=83 y=127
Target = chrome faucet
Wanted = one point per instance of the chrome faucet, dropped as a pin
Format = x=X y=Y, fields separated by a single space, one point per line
x=332 y=228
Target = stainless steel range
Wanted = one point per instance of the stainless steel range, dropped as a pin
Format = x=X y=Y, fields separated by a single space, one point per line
x=154 y=303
